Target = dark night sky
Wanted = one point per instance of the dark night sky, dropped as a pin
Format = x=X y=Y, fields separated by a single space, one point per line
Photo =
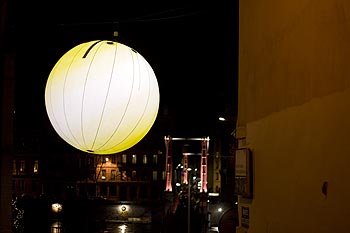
x=192 y=47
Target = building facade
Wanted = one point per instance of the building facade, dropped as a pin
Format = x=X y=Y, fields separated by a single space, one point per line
x=117 y=177
x=125 y=177
x=293 y=113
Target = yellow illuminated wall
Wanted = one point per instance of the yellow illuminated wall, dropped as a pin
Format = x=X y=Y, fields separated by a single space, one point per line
x=294 y=111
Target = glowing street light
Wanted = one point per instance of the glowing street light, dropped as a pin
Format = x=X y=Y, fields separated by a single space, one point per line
x=56 y=207
x=222 y=119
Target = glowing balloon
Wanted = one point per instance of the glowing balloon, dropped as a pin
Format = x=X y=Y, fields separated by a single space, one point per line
x=102 y=97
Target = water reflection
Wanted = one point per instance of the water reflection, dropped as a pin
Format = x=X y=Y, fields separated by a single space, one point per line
x=57 y=227
x=131 y=228
x=85 y=216
x=123 y=228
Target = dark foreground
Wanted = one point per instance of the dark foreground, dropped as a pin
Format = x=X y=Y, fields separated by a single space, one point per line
x=36 y=216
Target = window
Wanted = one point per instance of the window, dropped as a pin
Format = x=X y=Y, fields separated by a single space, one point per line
x=123 y=193
x=124 y=176
x=134 y=159
x=144 y=191
x=155 y=159
x=113 y=190
x=14 y=168
x=123 y=158
x=133 y=175
x=133 y=193
x=154 y=175
x=144 y=175
x=113 y=159
x=22 y=166
x=113 y=174
x=22 y=185
x=36 y=166
x=163 y=175
x=103 y=177
x=34 y=186
x=144 y=159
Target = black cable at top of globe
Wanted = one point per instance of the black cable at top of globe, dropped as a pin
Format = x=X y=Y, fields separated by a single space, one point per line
x=161 y=16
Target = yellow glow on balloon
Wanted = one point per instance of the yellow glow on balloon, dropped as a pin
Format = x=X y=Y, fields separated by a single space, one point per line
x=102 y=97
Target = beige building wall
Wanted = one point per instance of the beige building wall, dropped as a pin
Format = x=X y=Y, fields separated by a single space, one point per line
x=294 y=104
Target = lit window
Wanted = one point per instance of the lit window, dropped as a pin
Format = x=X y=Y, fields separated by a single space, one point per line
x=134 y=159
x=36 y=166
x=155 y=177
x=133 y=175
x=155 y=159
x=144 y=159
x=163 y=175
x=124 y=176
x=103 y=177
x=123 y=158
x=22 y=166
x=113 y=174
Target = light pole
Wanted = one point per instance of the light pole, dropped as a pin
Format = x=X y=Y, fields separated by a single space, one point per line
x=189 y=201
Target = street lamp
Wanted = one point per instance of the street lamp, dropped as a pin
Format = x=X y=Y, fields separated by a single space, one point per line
x=56 y=207
x=222 y=118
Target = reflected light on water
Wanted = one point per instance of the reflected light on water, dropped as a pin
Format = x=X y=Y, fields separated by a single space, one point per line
x=123 y=228
x=56 y=227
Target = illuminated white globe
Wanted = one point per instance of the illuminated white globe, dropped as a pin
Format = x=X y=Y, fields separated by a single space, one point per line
x=102 y=97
